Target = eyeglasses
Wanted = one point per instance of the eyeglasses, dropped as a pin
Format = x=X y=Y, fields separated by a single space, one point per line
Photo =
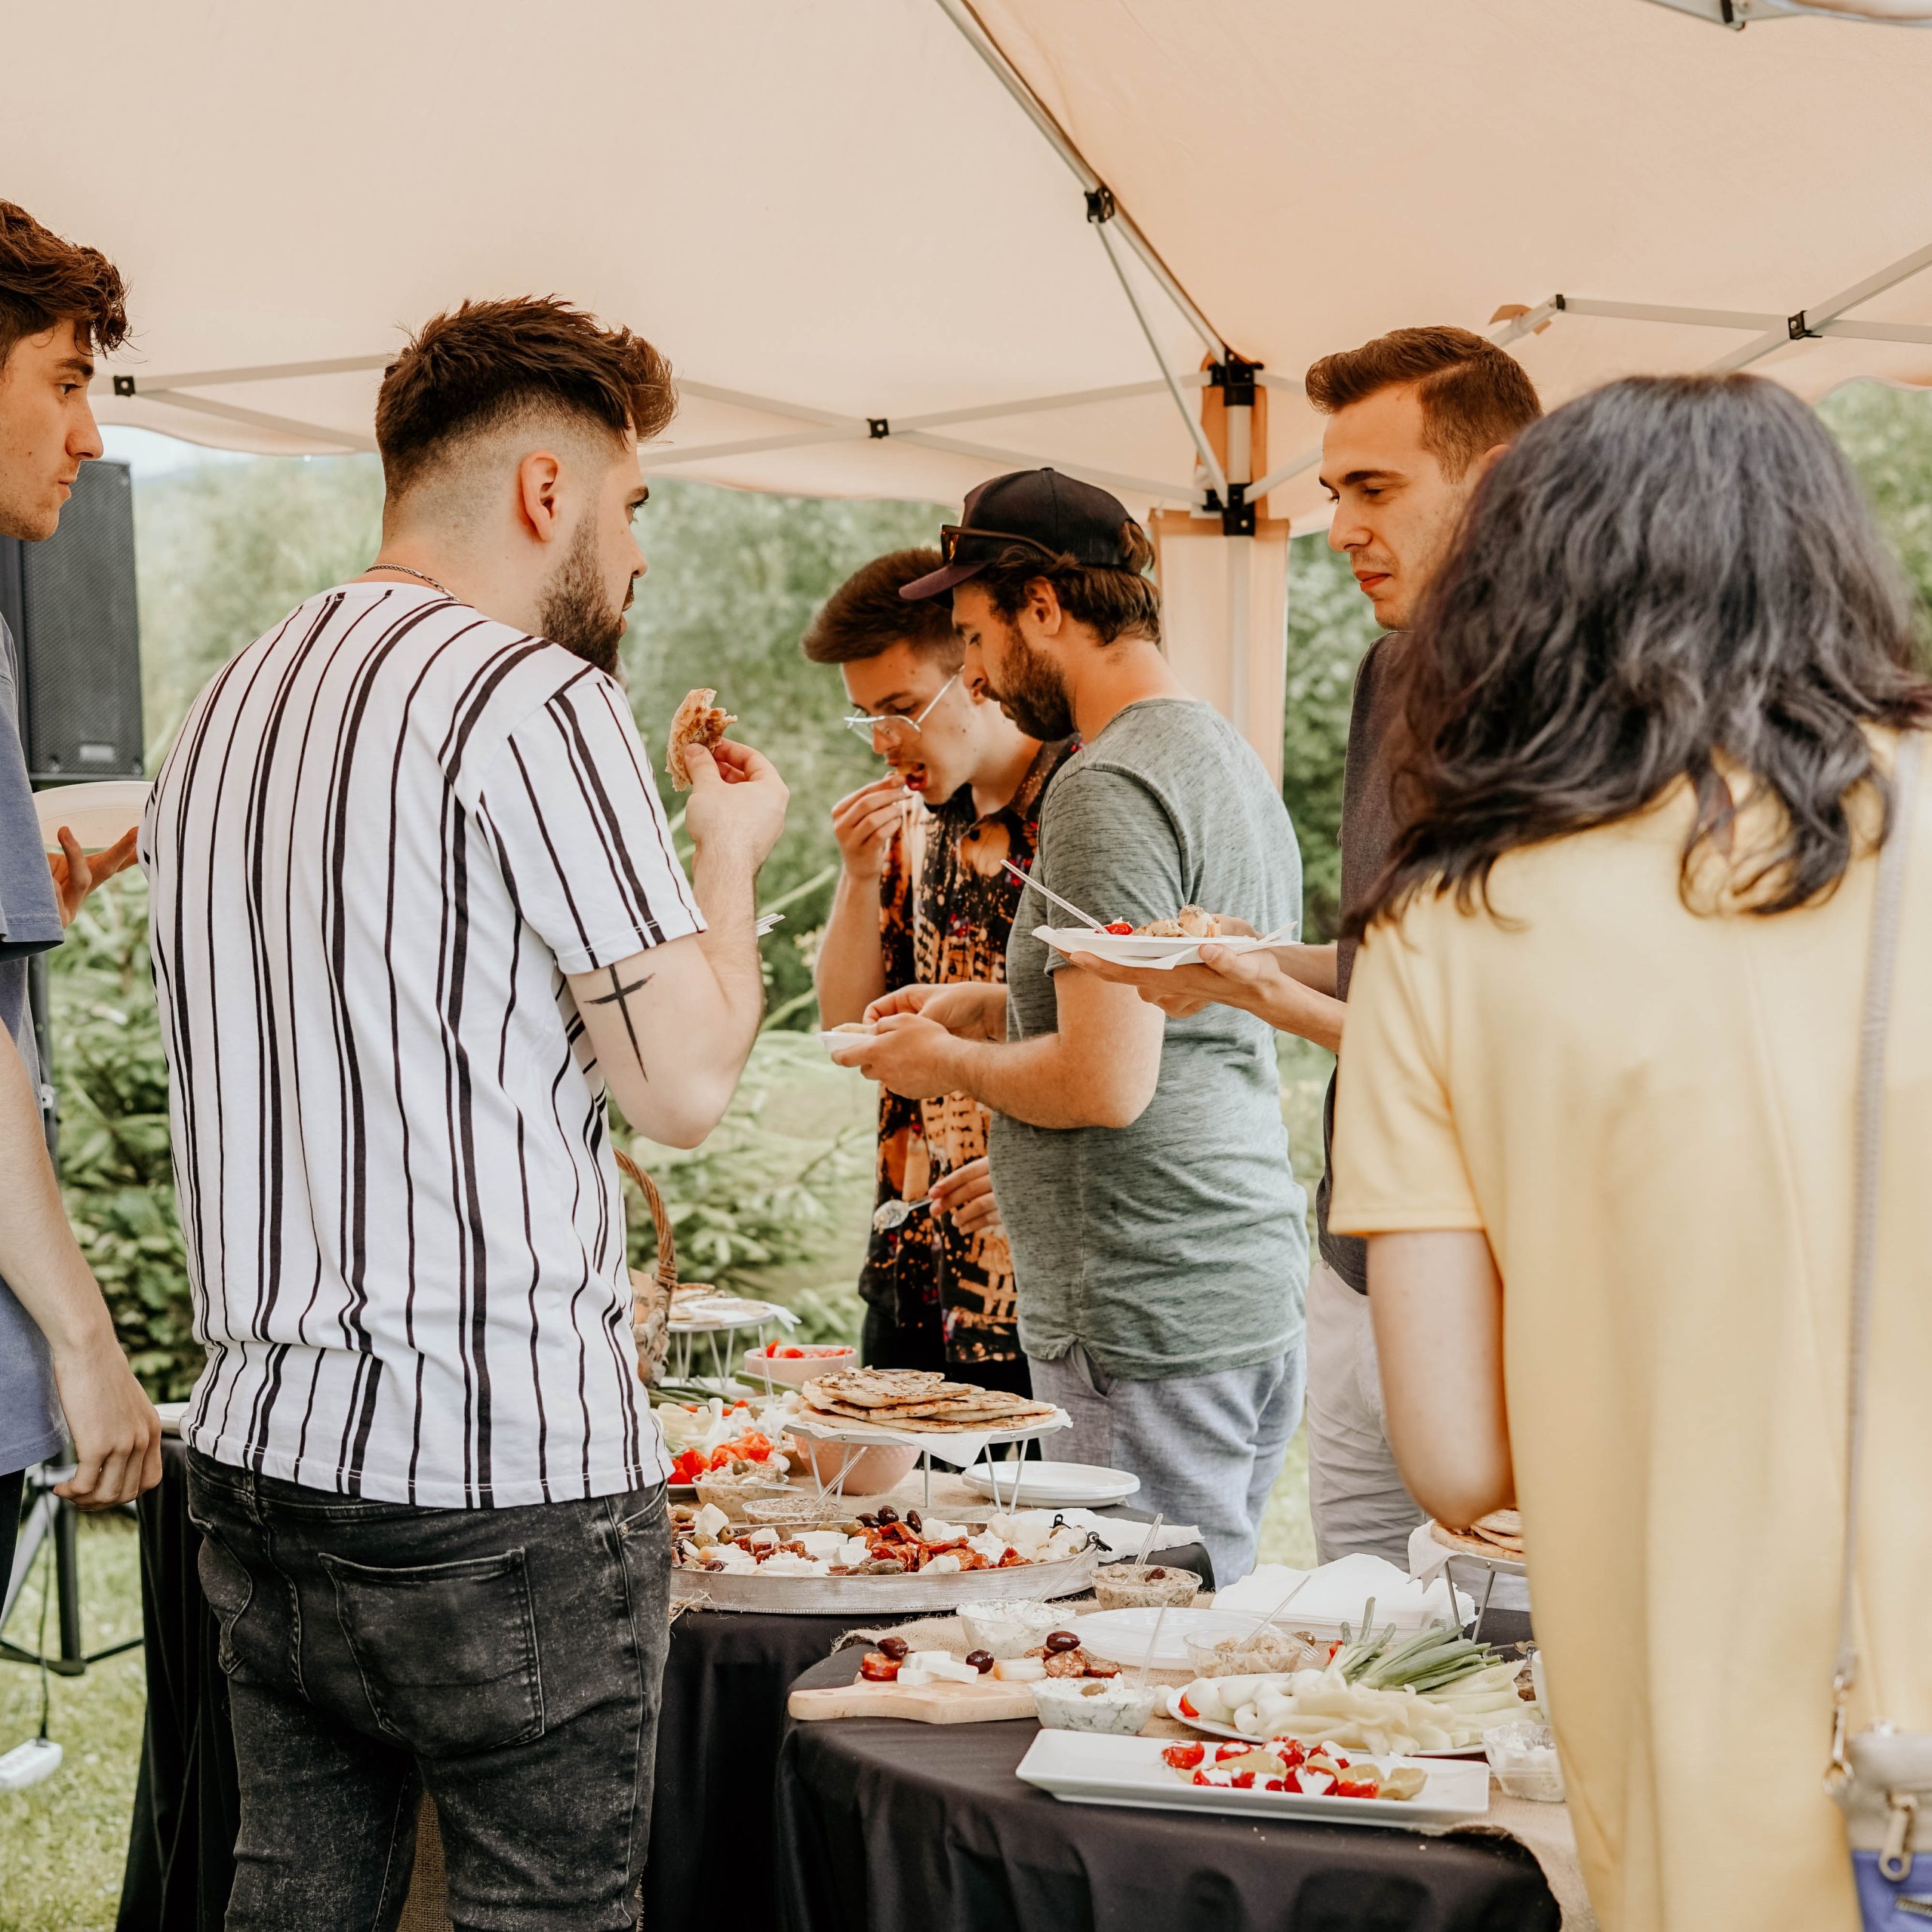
x=894 y=728
x=952 y=535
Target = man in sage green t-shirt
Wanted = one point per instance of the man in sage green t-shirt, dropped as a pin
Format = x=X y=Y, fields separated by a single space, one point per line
x=1141 y=1163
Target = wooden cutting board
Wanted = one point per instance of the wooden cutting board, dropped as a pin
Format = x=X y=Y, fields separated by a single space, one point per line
x=988 y=1702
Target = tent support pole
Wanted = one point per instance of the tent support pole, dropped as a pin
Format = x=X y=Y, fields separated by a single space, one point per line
x=962 y=15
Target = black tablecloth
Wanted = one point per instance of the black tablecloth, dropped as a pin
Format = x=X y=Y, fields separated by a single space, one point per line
x=726 y=1677
x=888 y=1826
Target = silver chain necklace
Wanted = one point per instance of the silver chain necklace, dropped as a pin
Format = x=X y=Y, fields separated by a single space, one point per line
x=421 y=576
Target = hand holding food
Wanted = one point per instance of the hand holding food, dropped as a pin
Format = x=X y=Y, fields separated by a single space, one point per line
x=971 y=1009
x=909 y=1054
x=862 y=822
x=696 y=722
x=737 y=801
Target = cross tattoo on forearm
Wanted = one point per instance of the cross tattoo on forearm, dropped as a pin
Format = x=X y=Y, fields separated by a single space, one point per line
x=616 y=996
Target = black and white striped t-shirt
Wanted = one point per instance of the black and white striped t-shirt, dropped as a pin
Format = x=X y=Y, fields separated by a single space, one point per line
x=386 y=830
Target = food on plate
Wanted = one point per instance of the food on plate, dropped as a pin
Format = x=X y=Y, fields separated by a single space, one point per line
x=876 y=1544
x=815 y=1351
x=696 y=721
x=1436 y=1692
x=1489 y=1536
x=1009 y=1629
x=877 y=1667
x=921 y=1400
x=1286 y=1765
x=1190 y=922
x=1117 y=1706
x=983 y=1661
x=700 y=1303
x=1137 y=1586
x=895 y=1647
x=1061 y=1656
x=750 y=1452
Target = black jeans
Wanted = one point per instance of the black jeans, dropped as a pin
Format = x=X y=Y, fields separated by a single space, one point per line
x=11 y=1486
x=509 y=1660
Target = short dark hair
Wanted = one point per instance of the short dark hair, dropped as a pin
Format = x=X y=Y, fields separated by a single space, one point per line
x=867 y=615
x=44 y=281
x=484 y=363
x=1118 y=603
x=1473 y=396
x=1670 y=576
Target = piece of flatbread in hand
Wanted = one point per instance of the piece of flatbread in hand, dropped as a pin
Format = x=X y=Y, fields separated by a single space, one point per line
x=698 y=721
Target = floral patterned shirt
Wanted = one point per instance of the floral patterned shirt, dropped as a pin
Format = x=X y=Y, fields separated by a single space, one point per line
x=945 y=906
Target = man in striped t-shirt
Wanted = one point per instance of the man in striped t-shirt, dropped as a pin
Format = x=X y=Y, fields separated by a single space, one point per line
x=416 y=912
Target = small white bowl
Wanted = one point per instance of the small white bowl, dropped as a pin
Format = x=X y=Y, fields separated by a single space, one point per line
x=1113 y=1705
x=1010 y=1629
x=793 y=1371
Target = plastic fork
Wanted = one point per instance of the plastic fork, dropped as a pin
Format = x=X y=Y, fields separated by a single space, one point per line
x=1047 y=892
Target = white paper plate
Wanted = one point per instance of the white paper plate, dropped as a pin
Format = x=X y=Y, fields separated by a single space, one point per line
x=1170 y=1703
x=1055 y=1485
x=1082 y=1768
x=1120 y=1635
x=97 y=814
x=1137 y=948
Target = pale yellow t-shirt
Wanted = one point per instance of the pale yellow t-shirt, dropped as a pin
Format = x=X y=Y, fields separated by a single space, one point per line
x=1649 y=1114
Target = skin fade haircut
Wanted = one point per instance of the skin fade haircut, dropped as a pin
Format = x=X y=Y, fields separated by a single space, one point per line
x=867 y=615
x=1667 y=575
x=486 y=364
x=1473 y=396
x=44 y=281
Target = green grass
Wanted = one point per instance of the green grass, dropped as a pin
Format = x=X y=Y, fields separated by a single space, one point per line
x=62 y=1843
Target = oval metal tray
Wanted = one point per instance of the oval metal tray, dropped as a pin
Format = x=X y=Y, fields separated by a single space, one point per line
x=867 y=1596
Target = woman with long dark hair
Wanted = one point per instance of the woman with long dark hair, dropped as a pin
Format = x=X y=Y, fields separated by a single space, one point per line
x=1601 y=1053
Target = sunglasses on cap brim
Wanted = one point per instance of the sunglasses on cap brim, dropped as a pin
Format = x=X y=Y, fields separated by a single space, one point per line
x=952 y=536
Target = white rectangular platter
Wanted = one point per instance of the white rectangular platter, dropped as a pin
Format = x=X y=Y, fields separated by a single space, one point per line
x=1081 y=1768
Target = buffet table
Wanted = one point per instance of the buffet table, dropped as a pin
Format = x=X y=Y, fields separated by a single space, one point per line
x=725 y=1681
x=887 y=1826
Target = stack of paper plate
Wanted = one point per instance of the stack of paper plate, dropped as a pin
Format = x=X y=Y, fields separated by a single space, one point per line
x=98 y=814
x=1052 y=1485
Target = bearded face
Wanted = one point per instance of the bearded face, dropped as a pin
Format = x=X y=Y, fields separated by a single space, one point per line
x=577 y=611
x=1029 y=687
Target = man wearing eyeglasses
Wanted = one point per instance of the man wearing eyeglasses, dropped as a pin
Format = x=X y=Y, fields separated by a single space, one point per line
x=923 y=896
x=1140 y=1162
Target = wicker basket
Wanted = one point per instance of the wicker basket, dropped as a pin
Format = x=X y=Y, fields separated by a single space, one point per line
x=650 y=1295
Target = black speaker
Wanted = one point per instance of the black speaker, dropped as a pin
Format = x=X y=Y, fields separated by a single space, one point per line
x=71 y=604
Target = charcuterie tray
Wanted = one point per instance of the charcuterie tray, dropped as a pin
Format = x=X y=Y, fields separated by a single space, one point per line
x=866 y=1596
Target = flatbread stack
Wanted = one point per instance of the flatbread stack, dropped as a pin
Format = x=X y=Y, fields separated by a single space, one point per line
x=917 y=1399
x=1500 y=1533
x=697 y=721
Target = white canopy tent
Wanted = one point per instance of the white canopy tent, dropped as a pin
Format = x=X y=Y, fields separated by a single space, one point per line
x=895 y=246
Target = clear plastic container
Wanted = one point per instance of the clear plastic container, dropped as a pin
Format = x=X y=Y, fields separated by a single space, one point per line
x=1116 y=1705
x=1263 y=1654
x=1522 y=1755
x=1148 y=1585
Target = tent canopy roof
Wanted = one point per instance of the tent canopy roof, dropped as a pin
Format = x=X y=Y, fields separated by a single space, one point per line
x=834 y=218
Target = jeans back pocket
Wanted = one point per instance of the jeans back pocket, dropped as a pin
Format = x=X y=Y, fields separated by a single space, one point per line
x=446 y=1651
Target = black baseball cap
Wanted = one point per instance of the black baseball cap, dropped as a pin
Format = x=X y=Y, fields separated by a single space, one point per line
x=1057 y=516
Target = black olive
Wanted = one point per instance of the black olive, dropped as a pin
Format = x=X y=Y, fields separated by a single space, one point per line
x=1061 y=1640
x=981 y=1660
x=895 y=1647
x=913 y=1520
x=1157 y=1576
x=870 y=1521
x=888 y=1514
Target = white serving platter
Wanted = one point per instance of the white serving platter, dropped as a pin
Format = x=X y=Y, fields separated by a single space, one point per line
x=1139 y=949
x=1081 y=1768
x=98 y=814
x=1053 y=1485
x=1120 y=1635
x=869 y=1596
x=1170 y=1703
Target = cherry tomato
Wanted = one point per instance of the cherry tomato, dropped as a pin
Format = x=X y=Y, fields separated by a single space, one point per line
x=1244 y=1780
x=1222 y=1752
x=1120 y=928
x=1352 y=1787
x=1183 y=1757
x=1187 y=1710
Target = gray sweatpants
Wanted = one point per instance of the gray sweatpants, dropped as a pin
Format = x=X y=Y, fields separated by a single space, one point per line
x=1206 y=1448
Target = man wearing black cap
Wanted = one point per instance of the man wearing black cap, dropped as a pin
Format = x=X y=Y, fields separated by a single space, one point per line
x=1139 y=1163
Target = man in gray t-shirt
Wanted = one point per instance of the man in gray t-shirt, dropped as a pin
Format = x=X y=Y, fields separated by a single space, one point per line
x=58 y=1352
x=1140 y=1165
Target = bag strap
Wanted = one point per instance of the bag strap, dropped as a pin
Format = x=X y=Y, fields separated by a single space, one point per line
x=1887 y=911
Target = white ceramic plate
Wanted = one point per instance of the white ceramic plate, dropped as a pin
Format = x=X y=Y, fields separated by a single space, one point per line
x=1082 y=1768
x=1171 y=1704
x=1055 y=1485
x=97 y=814
x=1137 y=948
x=1120 y=1635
